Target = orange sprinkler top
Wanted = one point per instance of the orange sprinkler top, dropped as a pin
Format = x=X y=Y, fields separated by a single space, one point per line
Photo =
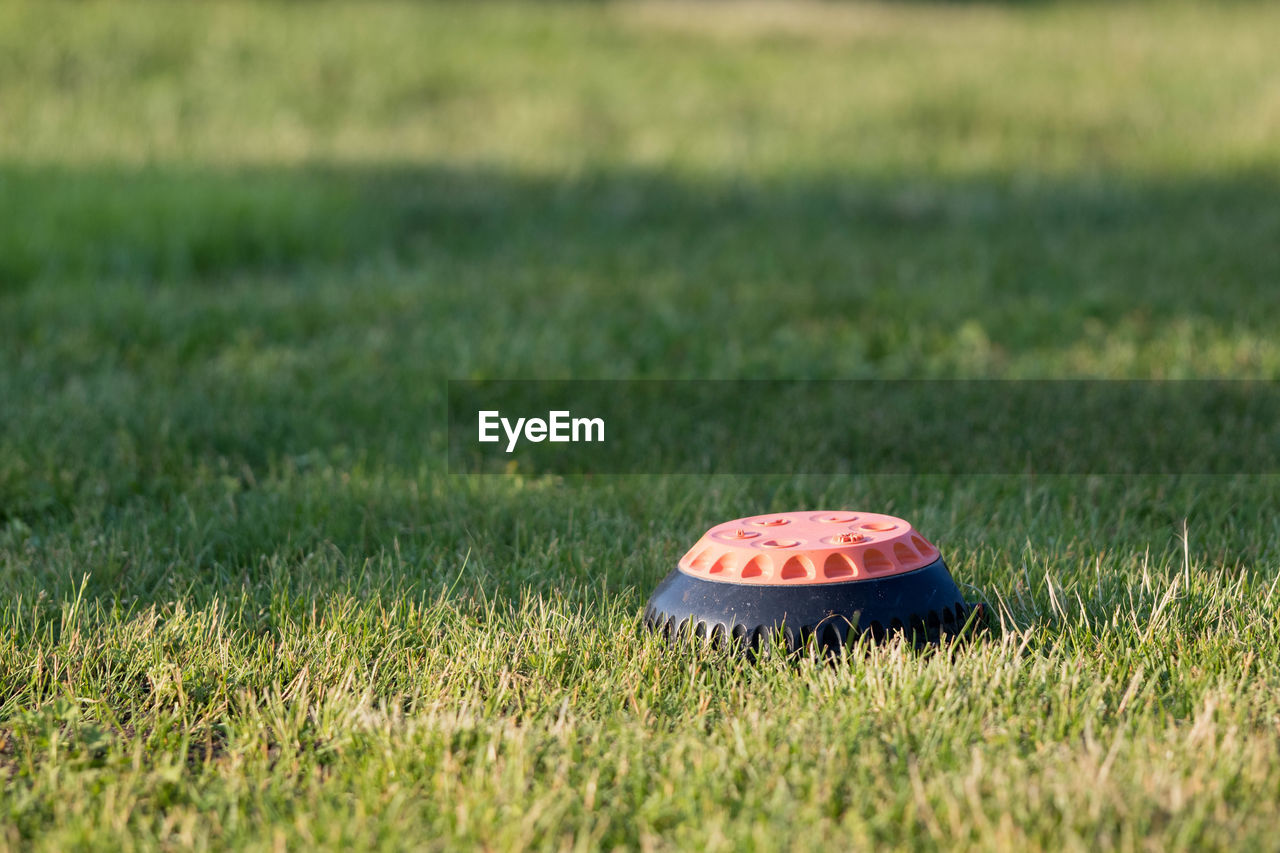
x=808 y=548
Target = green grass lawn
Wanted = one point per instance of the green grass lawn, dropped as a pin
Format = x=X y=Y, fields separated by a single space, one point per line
x=242 y=247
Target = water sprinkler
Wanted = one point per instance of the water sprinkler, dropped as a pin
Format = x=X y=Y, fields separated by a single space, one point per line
x=828 y=578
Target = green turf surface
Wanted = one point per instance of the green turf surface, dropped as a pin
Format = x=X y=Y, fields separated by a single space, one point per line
x=243 y=247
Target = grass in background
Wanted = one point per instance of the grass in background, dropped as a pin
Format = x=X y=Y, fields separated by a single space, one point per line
x=242 y=247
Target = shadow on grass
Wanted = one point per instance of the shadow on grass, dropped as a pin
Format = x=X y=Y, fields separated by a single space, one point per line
x=225 y=365
x=1167 y=242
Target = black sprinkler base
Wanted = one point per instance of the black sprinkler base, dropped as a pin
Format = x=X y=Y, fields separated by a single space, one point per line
x=923 y=605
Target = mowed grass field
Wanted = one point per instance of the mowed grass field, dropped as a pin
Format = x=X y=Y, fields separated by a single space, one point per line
x=242 y=248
